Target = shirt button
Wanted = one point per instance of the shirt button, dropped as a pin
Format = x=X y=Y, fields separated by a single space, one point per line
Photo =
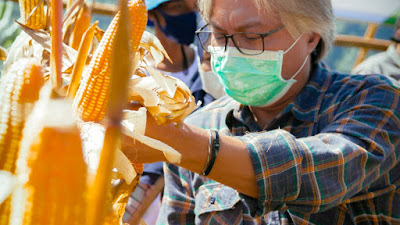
x=212 y=200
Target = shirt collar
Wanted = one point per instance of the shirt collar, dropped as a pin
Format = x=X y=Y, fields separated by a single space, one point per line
x=305 y=107
x=242 y=116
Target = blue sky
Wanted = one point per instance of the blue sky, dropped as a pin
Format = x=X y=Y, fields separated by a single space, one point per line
x=376 y=11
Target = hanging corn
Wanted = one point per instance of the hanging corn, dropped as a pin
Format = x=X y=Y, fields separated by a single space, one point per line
x=91 y=99
x=33 y=13
x=19 y=89
x=126 y=34
x=51 y=168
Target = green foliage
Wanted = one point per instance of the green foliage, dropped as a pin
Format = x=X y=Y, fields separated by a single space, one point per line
x=9 y=11
x=9 y=30
x=392 y=19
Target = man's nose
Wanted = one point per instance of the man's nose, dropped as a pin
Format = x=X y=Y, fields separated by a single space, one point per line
x=230 y=42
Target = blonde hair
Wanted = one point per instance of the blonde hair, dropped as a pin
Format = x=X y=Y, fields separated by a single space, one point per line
x=298 y=16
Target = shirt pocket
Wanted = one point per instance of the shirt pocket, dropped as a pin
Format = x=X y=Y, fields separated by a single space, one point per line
x=217 y=202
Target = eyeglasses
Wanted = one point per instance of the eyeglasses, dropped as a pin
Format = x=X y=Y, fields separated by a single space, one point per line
x=248 y=43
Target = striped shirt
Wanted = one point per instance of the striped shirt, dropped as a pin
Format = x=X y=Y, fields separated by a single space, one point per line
x=330 y=157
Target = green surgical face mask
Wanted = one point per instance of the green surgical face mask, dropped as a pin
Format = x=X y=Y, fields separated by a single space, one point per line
x=254 y=80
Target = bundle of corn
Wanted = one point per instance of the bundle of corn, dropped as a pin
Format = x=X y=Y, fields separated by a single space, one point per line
x=92 y=96
x=95 y=101
x=62 y=173
x=19 y=89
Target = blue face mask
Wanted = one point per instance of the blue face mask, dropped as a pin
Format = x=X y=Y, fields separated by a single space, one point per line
x=180 y=28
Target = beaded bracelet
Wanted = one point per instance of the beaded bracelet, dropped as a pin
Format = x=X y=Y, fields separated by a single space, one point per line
x=209 y=152
x=214 y=153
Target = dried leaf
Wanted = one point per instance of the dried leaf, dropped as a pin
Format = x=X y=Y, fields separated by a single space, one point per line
x=124 y=167
x=40 y=36
x=23 y=47
x=135 y=120
x=69 y=23
x=73 y=11
x=43 y=38
x=165 y=107
x=160 y=114
x=170 y=153
x=167 y=83
x=139 y=72
x=136 y=61
x=151 y=43
x=146 y=88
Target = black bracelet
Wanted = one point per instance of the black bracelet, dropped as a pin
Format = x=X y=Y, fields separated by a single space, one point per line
x=214 y=153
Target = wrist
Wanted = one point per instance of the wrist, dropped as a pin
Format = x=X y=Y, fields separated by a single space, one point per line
x=192 y=143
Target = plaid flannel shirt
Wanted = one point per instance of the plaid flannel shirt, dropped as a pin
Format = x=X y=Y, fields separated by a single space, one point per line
x=330 y=157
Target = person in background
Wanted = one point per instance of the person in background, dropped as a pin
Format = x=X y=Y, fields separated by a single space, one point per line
x=293 y=142
x=209 y=79
x=174 y=23
x=386 y=63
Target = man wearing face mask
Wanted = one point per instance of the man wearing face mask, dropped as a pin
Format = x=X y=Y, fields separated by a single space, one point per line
x=293 y=142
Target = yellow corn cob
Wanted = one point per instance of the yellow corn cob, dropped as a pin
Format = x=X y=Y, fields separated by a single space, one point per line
x=130 y=27
x=32 y=13
x=20 y=85
x=52 y=160
x=81 y=25
x=19 y=88
x=91 y=99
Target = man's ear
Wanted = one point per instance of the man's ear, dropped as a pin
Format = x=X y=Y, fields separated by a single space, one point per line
x=156 y=18
x=313 y=40
x=152 y=16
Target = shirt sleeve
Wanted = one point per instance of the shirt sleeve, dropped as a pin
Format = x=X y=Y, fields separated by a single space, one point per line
x=356 y=142
x=374 y=64
x=178 y=202
x=151 y=172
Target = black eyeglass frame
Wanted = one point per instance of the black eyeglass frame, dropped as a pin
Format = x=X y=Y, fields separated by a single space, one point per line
x=227 y=36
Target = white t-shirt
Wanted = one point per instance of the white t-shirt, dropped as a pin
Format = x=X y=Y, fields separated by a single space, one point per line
x=385 y=63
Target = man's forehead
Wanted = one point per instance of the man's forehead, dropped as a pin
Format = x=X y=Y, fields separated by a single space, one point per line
x=240 y=19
